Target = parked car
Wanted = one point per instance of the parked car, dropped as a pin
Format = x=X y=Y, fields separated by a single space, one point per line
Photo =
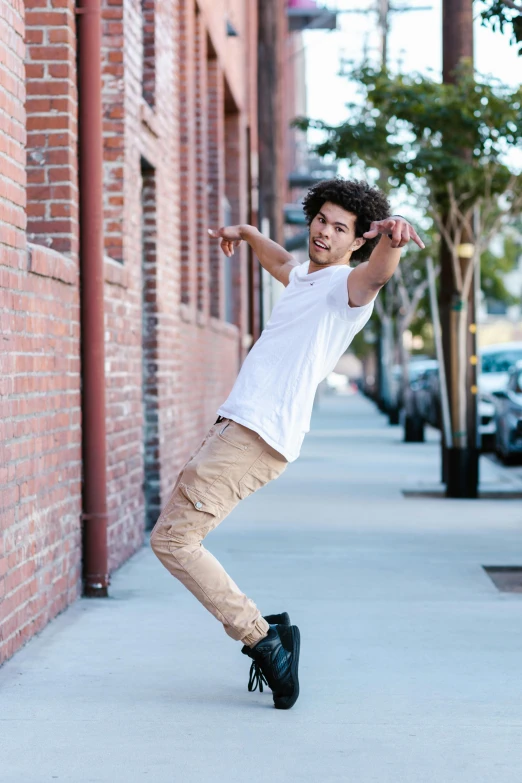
x=508 y=417
x=496 y=362
x=415 y=400
x=416 y=366
x=426 y=389
x=396 y=402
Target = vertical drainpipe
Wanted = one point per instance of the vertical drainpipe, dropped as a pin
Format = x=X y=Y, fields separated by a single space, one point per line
x=95 y=556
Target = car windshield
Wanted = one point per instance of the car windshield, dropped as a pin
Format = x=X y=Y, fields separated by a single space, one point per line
x=502 y=361
x=415 y=370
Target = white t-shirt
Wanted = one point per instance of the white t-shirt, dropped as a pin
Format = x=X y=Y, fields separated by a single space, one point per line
x=310 y=328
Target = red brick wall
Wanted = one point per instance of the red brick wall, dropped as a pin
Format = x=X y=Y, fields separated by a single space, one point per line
x=12 y=258
x=170 y=357
x=40 y=404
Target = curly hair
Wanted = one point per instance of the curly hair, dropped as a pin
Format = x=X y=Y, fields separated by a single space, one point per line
x=367 y=203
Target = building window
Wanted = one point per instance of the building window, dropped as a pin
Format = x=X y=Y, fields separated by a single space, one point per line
x=187 y=140
x=201 y=163
x=233 y=173
x=150 y=356
x=228 y=264
x=148 y=12
x=216 y=166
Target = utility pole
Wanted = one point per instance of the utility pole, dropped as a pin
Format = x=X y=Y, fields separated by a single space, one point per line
x=457 y=36
x=460 y=462
x=384 y=25
x=271 y=36
x=271 y=33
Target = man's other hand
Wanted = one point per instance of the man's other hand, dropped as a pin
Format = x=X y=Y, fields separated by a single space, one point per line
x=230 y=238
x=397 y=228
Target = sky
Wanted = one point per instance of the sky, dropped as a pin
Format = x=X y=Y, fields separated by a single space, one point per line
x=414 y=40
x=414 y=43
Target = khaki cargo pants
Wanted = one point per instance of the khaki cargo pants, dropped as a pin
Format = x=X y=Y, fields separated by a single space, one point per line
x=231 y=463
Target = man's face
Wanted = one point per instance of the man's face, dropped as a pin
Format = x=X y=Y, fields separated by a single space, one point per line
x=332 y=236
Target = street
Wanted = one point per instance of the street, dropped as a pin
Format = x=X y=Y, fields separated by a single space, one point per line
x=411 y=659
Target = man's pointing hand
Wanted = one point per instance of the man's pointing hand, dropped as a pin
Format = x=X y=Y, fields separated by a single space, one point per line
x=397 y=228
x=230 y=238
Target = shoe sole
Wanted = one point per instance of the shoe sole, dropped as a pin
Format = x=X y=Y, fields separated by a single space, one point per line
x=291 y=641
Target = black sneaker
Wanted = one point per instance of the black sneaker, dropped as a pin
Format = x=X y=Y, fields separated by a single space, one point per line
x=275 y=663
x=257 y=679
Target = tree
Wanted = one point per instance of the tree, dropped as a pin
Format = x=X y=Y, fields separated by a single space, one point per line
x=500 y=14
x=493 y=267
x=449 y=146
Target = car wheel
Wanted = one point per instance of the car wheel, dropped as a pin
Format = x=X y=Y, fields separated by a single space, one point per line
x=489 y=443
x=393 y=414
x=413 y=429
x=507 y=457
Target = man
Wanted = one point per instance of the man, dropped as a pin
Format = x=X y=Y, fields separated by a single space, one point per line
x=261 y=426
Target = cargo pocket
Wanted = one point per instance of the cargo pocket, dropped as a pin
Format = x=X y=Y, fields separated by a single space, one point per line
x=199 y=501
x=217 y=459
x=196 y=516
x=266 y=468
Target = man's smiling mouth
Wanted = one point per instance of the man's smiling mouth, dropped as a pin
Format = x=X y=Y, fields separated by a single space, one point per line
x=321 y=245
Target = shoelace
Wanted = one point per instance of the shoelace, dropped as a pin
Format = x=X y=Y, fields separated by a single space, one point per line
x=257 y=678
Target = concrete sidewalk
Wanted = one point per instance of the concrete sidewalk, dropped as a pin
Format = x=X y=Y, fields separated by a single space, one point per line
x=411 y=664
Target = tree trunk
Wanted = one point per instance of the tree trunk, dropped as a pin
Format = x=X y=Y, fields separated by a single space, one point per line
x=459 y=463
x=461 y=475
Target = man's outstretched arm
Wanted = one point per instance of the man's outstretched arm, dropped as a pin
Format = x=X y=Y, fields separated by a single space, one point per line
x=368 y=278
x=272 y=257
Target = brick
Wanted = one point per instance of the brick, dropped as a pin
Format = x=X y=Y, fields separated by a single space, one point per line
x=61 y=36
x=48 y=87
x=176 y=122
x=34 y=70
x=49 y=53
x=34 y=36
x=59 y=70
x=47 y=19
